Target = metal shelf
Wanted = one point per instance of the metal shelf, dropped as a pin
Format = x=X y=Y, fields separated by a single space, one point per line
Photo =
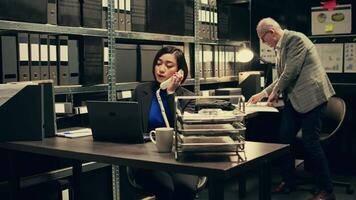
x=48 y=28
x=6 y=25
x=68 y=30
x=153 y=36
x=76 y=89
x=212 y=80
x=223 y=42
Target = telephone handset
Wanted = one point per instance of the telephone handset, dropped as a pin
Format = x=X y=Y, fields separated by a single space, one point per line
x=165 y=83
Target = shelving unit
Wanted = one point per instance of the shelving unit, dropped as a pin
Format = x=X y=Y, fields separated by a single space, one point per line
x=13 y=26
x=74 y=89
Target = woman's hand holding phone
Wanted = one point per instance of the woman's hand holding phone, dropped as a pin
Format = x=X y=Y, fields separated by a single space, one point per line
x=173 y=82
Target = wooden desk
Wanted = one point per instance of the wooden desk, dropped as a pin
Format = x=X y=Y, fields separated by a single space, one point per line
x=145 y=155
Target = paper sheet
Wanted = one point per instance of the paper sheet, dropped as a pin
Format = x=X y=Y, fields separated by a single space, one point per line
x=75 y=133
x=259 y=107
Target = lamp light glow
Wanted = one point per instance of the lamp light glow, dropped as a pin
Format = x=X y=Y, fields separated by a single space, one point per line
x=244 y=55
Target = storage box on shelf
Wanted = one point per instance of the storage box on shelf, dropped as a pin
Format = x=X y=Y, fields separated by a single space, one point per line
x=216 y=127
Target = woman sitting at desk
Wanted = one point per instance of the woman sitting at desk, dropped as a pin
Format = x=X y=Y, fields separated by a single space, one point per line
x=166 y=64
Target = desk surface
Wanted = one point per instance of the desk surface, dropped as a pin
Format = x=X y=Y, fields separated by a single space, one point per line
x=144 y=155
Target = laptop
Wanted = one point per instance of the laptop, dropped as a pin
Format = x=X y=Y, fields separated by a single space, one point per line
x=118 y=121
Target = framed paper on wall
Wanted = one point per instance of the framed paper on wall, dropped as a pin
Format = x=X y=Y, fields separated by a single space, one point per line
x=350 y=58
x=336 y=21
x=331 y=56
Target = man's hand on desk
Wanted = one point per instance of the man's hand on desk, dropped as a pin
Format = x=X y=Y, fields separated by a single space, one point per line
x=272 y=98
x=257 y=97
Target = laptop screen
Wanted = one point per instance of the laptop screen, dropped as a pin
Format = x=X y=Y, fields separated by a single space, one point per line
x=118 y=121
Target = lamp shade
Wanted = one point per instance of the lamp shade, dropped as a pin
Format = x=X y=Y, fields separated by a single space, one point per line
x=244 y=55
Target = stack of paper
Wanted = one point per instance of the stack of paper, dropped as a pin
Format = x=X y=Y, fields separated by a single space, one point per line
x=81 y=132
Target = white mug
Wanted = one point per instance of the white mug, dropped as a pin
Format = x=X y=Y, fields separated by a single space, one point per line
x=163 y=139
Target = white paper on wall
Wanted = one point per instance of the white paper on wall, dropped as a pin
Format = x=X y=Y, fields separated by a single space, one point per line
x=331 y=56
x=350 y=58
x=337 y=21
x=267 y=53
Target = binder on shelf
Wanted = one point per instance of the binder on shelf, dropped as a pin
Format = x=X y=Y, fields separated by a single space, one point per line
x=216 y=60
x=222 y=61
x=214 y=16
x=105 y=14
x=105 y=61
x=23 y=49
x=204 y=19
x=8 y=68
x=73 y=62
x=52 y=12
x=44 y=59
x=213 y=19
x=92 y=13
x=35 y=68
x=63 y=60
x=206 y=23
x=201 y=70
x=69 y=12
x=138 y=15
x=32 y=112
x=121 y=16
x=92 y=60
x=216 y=19
x=24 y=11
x=126 y=63
x=188 y=58
x=230 y=60
x=53 y=69
x=128 y=15
x=147 y=54
x=207 y=62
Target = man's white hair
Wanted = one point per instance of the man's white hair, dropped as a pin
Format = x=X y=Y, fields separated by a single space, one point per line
x=267 y=24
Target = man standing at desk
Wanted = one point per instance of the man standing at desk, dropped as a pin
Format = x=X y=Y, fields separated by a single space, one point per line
x=306 y=88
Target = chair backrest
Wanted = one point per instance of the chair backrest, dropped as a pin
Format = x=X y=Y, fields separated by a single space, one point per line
x=333 y=118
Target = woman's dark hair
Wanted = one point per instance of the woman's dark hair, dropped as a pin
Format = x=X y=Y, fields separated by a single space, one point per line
x=181 y=63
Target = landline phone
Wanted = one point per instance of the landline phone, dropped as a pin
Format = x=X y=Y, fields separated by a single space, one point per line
x=164 y=86
x=165 y=83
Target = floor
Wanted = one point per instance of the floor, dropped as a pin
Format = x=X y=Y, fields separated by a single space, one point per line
x=303 y=192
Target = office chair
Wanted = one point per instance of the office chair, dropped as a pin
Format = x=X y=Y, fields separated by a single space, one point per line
x=331 y=129
x=138 y=188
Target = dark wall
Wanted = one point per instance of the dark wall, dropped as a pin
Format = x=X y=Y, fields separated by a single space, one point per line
x=291 y=14
x=295 y=15
x=234 y=20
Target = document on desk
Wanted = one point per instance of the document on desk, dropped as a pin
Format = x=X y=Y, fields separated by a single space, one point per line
x=259 y=107
x=81 y=132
